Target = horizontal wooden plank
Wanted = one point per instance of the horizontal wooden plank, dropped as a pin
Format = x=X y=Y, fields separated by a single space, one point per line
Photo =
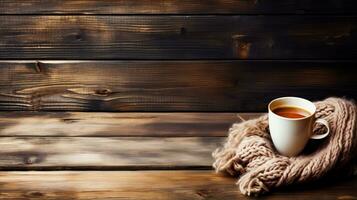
x=233 y=86
x=198 y=185
x=33 y=124
x=106 y=152
x=117 y=185
x=176 y=7
x=178 y=37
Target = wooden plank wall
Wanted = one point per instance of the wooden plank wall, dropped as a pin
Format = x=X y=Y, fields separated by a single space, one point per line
x=178 y=7
x=178 y=37
x=88 y=63
x=225 y=55
x=232 y=85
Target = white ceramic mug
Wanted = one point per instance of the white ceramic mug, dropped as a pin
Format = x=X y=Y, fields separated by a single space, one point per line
x=290 y=135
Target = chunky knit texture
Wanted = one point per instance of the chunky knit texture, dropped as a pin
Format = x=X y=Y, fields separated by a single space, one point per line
x=249 y=152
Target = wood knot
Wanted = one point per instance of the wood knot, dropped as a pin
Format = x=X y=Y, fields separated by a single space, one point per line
x=34 y=194
x=31 y=160
x=102 y=92
x=242 y=45
x=243 y=49
x=78 y=37
x=78 y=34
x=202 y=193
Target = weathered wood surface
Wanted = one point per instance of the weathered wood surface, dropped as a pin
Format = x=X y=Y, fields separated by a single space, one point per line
x=168 y=85
x=36 y=140
x=198 y=185
x=176 y=7
x=34 y=124
x=112 y=152
x=178 y=37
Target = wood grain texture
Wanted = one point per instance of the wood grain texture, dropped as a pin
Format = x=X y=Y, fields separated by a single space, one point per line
x=178 y=37
x=233 y=86
x=196 y=185
x=34 y=124
x=176 y=6
x=112 y=152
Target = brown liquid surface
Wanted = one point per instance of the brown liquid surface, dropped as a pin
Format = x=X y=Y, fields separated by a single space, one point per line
x=291 y=112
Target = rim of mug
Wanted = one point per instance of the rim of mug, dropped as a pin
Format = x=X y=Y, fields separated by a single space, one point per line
x=292 y=97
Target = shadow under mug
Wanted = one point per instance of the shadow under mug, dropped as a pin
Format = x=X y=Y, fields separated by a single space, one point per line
x=290 y=135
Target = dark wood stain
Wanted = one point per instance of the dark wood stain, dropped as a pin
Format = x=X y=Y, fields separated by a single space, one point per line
x=232 y=86
x=177 y=7
x=178 y=37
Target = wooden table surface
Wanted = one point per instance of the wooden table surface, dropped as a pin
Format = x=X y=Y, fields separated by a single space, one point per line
x=76 y=155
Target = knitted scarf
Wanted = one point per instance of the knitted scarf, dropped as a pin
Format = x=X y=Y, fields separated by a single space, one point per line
x=249 y=153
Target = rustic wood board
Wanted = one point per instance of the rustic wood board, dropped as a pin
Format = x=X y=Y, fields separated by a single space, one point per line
x=198 y=185
x=94 y=124
x=74 y=140
x=232 y=86
x=178 y=37
x=176 y=7
x=110 y=152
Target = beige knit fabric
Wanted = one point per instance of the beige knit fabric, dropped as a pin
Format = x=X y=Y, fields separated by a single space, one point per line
x=249 y=153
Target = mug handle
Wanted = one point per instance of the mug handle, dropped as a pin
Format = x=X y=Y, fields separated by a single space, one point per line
x=325 y=123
